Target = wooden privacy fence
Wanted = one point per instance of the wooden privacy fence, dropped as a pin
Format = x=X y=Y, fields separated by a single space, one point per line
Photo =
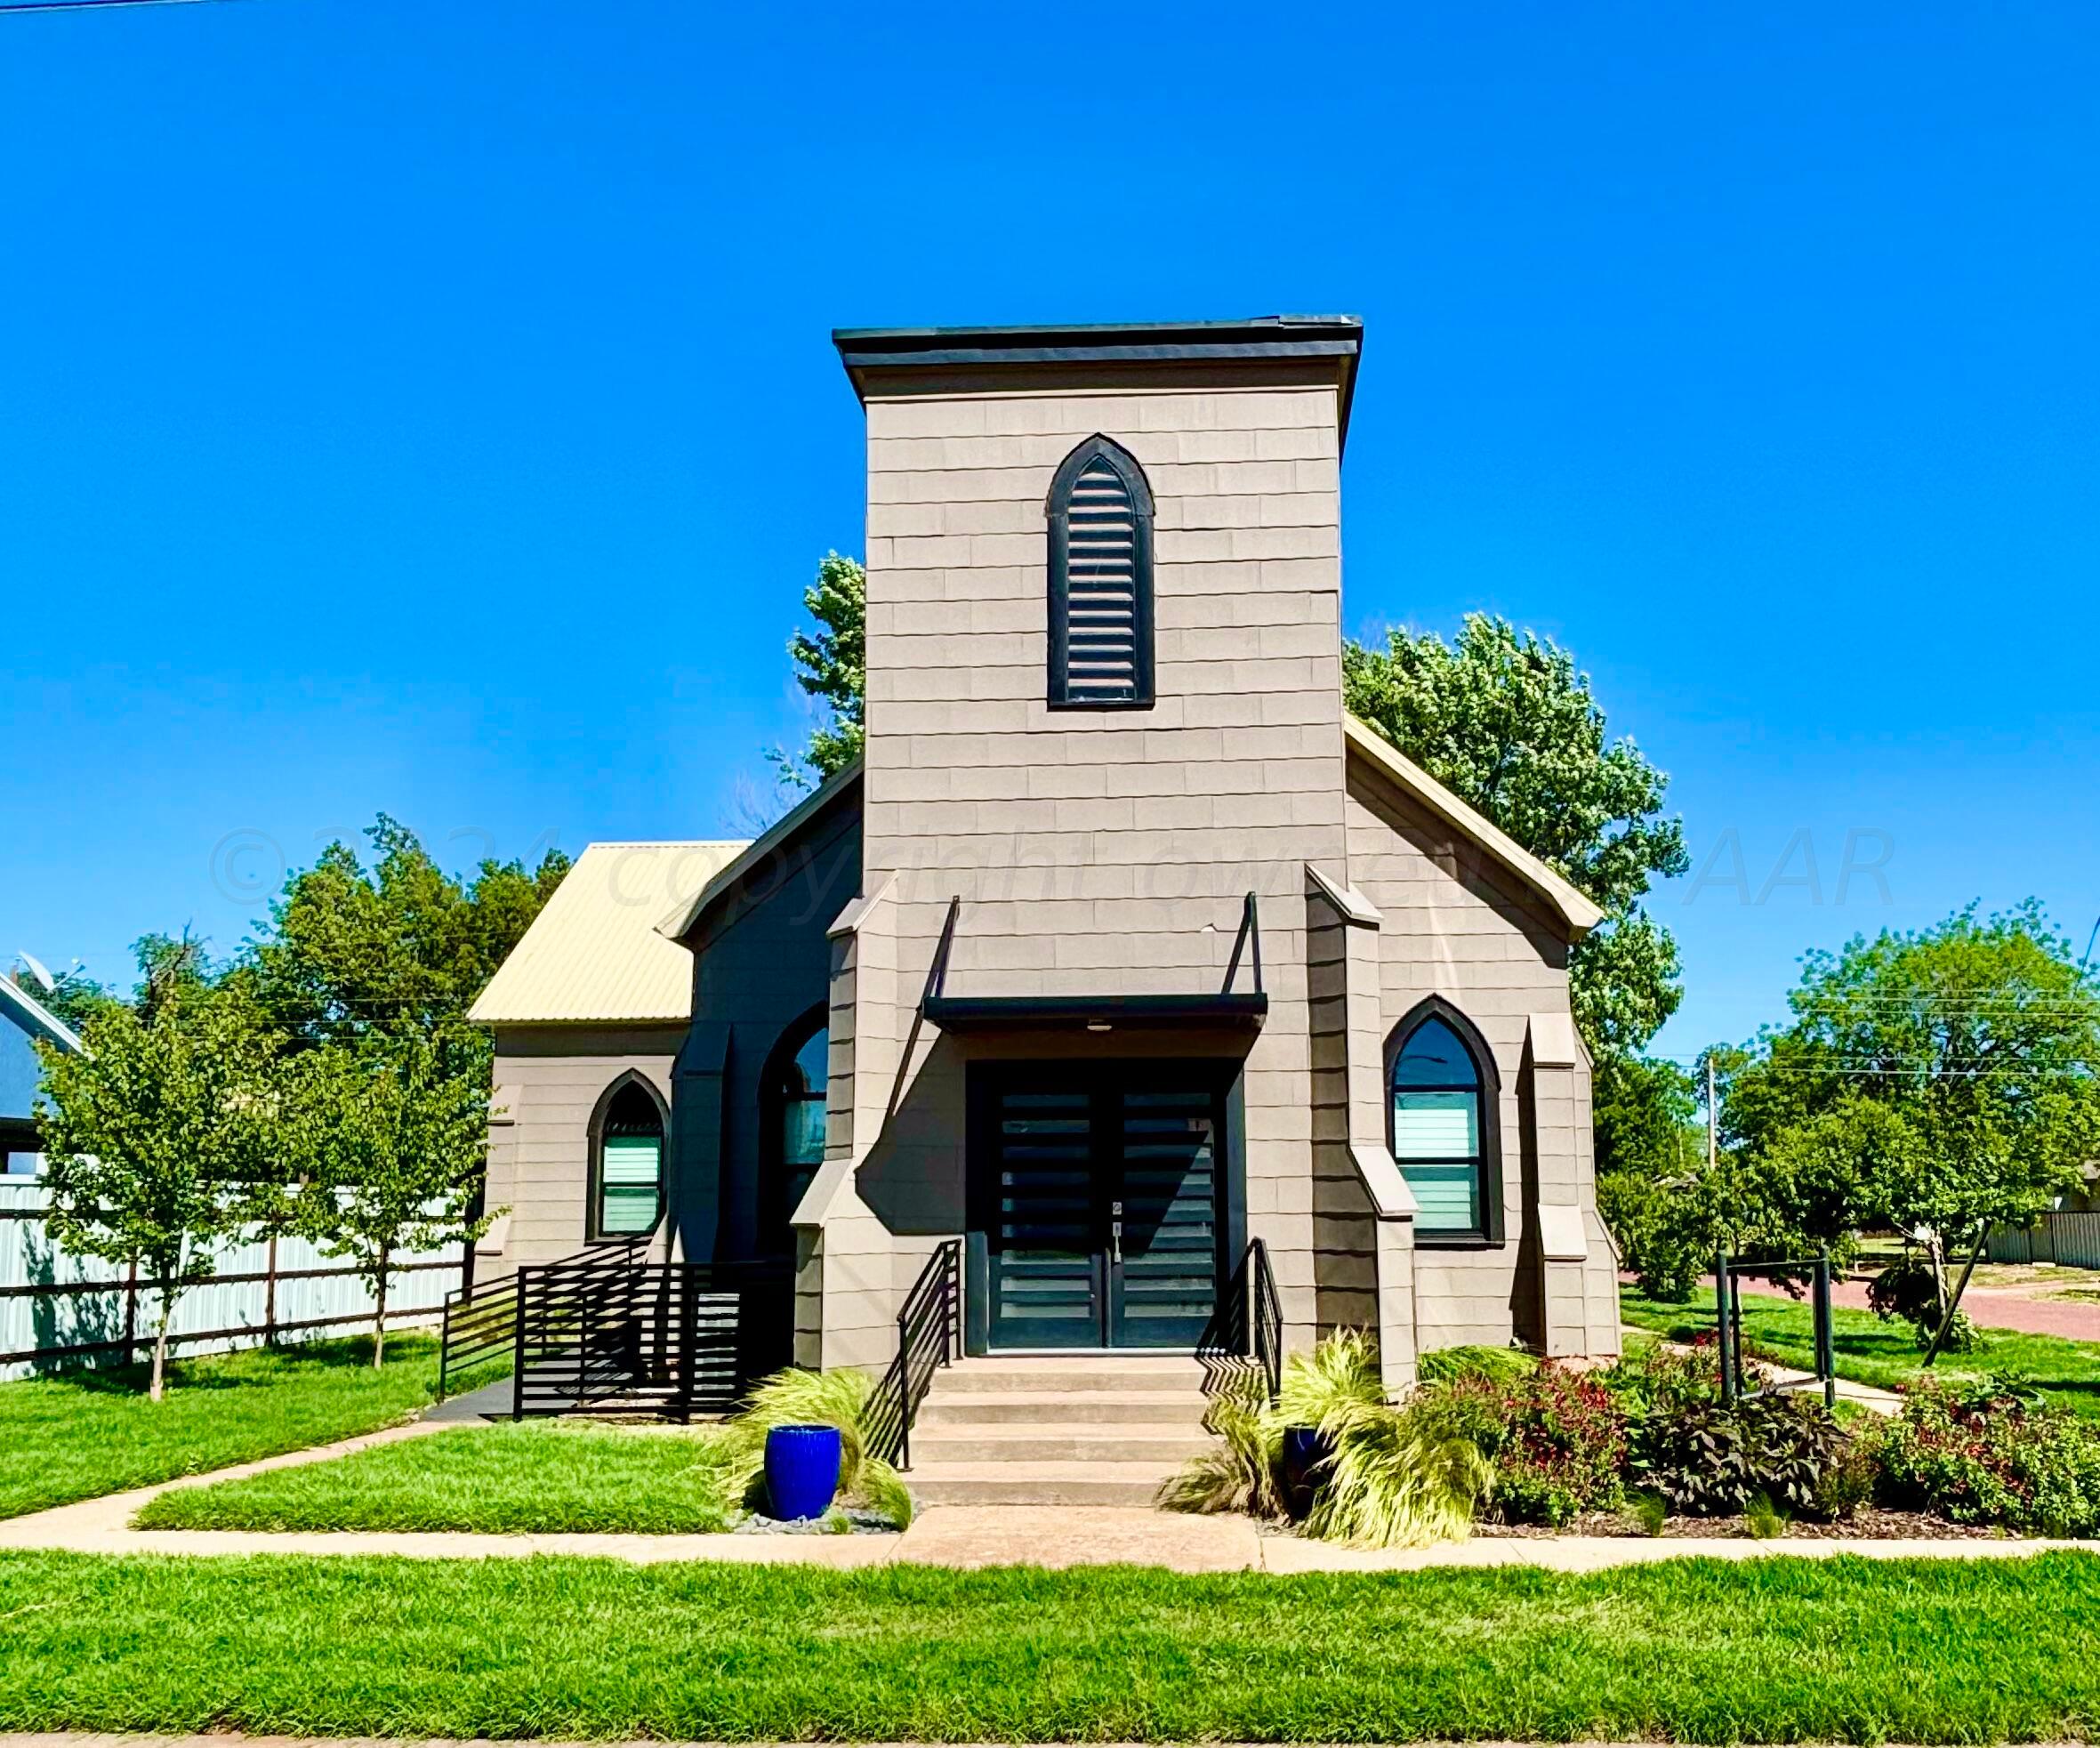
x=59 y=1310
x=2072 y=1239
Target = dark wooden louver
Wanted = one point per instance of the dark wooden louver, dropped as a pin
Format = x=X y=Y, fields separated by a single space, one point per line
x=1100 y=580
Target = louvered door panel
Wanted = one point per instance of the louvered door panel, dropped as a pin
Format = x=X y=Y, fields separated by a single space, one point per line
x=1165 y=1285
x=1044 y=1252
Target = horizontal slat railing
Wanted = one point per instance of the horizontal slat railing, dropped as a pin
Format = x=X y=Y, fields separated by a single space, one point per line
x=613 y=1333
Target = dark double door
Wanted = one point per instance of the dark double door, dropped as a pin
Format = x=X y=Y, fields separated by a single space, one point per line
x=1099 y=1192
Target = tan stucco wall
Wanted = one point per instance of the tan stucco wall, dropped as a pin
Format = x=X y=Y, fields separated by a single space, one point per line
x=551 y=1078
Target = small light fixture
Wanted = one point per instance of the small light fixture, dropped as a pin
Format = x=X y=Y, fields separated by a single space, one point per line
x=1099 y=1026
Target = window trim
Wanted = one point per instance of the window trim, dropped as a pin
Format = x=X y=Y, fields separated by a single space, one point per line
x=594 y=1232
x=772 y=1164
x=1056 y=510
x=1489 y=1234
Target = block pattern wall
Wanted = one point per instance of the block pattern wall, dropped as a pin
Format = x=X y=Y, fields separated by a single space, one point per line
x=551 y=1077
x=1109 y=851
x=1459 y=924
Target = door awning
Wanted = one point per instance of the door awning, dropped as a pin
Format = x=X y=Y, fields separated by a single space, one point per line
x=1227 y=1006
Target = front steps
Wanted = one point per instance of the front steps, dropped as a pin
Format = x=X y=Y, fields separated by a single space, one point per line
x=1066 y=1429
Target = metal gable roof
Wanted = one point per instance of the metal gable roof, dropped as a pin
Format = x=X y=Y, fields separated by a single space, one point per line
x=594 y=953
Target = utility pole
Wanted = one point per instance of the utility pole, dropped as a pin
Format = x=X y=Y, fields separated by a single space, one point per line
x=1713 y=1119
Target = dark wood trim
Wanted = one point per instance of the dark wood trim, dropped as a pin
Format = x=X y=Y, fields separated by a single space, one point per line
x=594 y=1232
x=1489 y=1235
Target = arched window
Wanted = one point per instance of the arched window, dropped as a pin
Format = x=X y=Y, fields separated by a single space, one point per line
x=1100 y=580
x=1442 y=1124
x=626 y=1161
x=796 y=1084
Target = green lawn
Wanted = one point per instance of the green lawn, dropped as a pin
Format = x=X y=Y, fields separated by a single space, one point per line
x=1873 y=1352
x=1777 y=1650
x=86 y=1433
x=539 y=1476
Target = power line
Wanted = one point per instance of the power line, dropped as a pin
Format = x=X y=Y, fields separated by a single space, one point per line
x=91 y=5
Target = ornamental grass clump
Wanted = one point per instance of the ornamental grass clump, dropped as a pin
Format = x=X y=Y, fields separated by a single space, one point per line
x=842 y=1397
x=1990 y=1452
x=1392 y=1476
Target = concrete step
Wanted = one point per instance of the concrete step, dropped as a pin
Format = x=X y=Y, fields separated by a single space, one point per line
x=944 y=1408
x=1037 y=1483
x=1031 y=1445
x=1112 y=1372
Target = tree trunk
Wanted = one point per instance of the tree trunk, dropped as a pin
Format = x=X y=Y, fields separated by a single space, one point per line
x=379 y=1313
x=156 y=1389
x=1932 y=1351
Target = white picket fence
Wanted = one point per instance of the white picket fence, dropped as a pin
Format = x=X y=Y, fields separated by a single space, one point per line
x=59 y=1310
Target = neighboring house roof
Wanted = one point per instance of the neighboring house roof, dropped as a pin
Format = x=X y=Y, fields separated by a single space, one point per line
x=23 y=1018
x=1576 y=911
x=677 y=923
x=594 y=953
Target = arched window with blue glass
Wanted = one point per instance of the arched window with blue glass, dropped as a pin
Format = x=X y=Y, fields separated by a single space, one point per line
x=793 y=1095
x=1442 y=1122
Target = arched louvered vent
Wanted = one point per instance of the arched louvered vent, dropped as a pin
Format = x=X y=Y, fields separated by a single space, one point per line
x=1100 y=579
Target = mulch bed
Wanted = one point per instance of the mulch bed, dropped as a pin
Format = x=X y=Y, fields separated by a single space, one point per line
x=1870 y=1523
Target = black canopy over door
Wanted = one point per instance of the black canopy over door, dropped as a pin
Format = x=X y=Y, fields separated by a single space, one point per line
x=1099 y=1192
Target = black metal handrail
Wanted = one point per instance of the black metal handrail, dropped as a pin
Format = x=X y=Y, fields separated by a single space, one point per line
x=1244 y=1338
x=929 y=1336
x=1265 y=1318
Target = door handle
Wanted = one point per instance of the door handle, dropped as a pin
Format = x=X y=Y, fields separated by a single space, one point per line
x=1116 y=1234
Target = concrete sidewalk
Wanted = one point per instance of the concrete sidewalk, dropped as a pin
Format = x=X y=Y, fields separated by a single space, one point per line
x=951 y=1536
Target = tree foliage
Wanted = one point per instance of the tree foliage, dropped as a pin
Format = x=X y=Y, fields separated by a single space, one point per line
x=1943 y=1081
x=384 y=1144
x=324 y=1080
x=1508 y=723
x=400 y=946
x=157 y=1137
x=831 y=666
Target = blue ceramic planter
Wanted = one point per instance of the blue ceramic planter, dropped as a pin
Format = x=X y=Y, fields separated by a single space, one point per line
x=1305 y=1452
x=802 y=1469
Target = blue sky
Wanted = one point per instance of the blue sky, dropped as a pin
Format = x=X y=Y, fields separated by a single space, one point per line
x=430 y=408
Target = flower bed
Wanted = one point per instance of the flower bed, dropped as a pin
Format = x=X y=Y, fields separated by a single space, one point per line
x=1644 y=1447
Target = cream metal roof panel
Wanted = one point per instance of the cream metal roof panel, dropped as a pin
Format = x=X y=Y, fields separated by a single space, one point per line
x=594 y=953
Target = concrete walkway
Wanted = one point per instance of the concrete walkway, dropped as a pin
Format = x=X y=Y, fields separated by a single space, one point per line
x=951 y=1536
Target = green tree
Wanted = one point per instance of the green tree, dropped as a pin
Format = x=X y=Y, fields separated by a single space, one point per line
x=401 y=946
x=158 y=1135
x=1507 y=722
x=385 y=1143
x=1947 y=1080
x=831 y=665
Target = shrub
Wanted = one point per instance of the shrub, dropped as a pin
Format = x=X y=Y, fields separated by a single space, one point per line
x=1656 y=1379
x=1240 y=1473
x=1557 y=1439
x=1988 y=1453
x=1708 y=1462
x=1908 y=1291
